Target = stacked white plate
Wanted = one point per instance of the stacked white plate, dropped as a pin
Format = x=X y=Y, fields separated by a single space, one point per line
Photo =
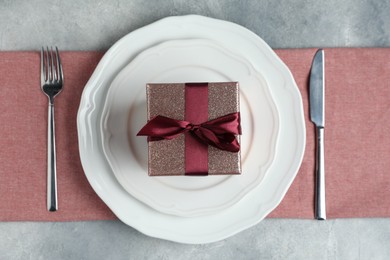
x=113 y=109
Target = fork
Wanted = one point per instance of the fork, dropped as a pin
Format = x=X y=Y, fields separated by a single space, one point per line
x=52 y=79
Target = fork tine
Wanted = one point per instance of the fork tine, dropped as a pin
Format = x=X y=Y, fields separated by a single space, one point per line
x=48 y=64
x=43 y=68
x=53 y=65
x=59 y=66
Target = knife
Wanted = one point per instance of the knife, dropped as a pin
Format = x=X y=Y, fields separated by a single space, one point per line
x=317 y=116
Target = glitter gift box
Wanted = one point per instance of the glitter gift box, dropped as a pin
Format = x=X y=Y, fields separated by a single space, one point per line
x=191 y=105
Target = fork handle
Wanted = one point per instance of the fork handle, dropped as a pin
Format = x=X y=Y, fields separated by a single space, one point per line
x=52 y=203
x=320 y=210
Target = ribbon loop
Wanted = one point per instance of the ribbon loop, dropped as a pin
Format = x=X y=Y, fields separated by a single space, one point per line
x=220 y=132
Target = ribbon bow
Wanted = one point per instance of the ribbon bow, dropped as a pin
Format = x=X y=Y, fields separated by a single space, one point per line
x=219 y=132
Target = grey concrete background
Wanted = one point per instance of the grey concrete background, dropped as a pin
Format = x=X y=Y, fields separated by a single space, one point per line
x=96 y=25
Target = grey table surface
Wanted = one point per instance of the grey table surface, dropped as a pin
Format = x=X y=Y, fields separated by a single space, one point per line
x=96 y=25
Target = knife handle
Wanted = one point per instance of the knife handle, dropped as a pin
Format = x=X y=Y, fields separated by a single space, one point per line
x=320 y=206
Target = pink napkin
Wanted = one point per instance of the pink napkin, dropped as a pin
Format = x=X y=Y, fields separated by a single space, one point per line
x=357 y=138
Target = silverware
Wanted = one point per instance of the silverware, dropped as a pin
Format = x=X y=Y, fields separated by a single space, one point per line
x=317 y=116
x=52 y=78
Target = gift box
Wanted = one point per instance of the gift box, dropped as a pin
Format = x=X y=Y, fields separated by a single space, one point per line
x=193 y=129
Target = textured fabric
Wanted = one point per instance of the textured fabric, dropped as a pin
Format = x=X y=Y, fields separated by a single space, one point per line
x=357 y=139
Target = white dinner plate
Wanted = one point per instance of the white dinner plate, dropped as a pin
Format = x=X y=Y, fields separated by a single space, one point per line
x=255 y=205
x=124 y=114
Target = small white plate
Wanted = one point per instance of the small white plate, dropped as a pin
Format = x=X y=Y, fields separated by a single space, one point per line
x=124 y=114
x=251 y=209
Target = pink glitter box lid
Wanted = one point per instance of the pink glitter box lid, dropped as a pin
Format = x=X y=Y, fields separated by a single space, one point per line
x=167 y=157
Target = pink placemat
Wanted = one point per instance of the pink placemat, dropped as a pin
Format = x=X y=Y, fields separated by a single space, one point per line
x=357 y=138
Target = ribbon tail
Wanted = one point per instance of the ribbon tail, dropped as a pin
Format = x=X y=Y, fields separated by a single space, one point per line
x=227 y=142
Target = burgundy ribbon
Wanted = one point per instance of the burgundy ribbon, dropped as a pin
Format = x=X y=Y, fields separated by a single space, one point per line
x=220 y=132
x=199 y=133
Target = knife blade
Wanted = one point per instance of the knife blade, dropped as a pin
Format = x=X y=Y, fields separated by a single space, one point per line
x=317 y=116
